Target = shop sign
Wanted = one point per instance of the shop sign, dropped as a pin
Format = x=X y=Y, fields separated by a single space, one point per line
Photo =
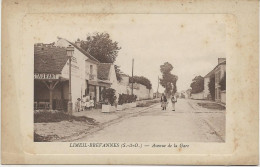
x=46 y=76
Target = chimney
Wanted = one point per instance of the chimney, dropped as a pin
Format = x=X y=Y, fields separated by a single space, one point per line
x=221 y=60
x=78 y=42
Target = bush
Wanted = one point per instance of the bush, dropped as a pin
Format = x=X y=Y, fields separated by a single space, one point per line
x=39 y=138
x=211 y=86
x=125 y=98
x=109 y=95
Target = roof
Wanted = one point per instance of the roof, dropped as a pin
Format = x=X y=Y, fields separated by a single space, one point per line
x=49 y=59
x=84 y=52
x=212 y=71
x=103 y=71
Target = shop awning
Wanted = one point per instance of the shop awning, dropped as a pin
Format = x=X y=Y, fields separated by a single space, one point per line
x=104 y=83
x=93 y=83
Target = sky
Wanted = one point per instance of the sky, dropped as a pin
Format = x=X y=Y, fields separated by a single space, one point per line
x=192 y=43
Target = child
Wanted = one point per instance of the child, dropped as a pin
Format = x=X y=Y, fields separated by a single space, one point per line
x=77 y=105
x=83 y=103
x=87 y=102
x=91 y=102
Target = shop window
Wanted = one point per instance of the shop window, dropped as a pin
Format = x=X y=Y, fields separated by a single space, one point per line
x=91 y=69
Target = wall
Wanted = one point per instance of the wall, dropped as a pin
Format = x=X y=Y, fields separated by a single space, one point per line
x=122 y=86
x=142 y=92
x=87 y=70
x=206 y=87
x=219 y=74
x=198 y=96
x=113 y=80
x=223 y=97
x=125 y=80
x=78 y=83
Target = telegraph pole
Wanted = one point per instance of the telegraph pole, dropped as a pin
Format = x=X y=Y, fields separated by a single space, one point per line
x=132 y=76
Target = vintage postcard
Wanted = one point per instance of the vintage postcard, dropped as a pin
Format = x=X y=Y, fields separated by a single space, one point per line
x=130 y=82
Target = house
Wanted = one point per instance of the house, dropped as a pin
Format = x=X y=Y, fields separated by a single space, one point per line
x=218 y=72
x=85 y=80
x=141 y=91
x=125 y=87
x=51 y=75
x=107 y=75
x=188 y=92
x=50 y=85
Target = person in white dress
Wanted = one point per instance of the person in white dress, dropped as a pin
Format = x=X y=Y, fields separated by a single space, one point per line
x=87 y=102
x=91 y=102
x=173 y=100
x=83 y=103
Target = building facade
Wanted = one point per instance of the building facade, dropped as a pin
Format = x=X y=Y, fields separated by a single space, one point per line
x=51 y=75
x=218 y=72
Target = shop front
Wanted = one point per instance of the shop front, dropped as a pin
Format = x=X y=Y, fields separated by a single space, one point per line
x=50 y=92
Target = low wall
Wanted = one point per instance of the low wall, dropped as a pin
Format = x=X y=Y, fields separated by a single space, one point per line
x=197 y=96
x=223 y=97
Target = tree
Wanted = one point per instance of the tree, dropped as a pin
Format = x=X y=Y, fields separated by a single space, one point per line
x=109 y=95
x=211 y=86
x=197 y=84
x=100 y=46
x=118 y=73
x=222 y=82
x=141 y=80
x=168 y=80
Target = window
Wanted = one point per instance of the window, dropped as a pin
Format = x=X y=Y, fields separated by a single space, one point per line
x=216 y=93
x=91 y=69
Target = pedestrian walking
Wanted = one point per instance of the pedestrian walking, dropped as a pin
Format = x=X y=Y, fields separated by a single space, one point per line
x=173 y=100
x=163 y=102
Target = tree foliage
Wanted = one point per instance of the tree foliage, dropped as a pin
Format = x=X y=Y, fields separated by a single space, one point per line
x=211 y=86
x=100 y=46
x=141 y=80
x=168 y=80
x=109 y=95
x=222 y=82
x=197 y=84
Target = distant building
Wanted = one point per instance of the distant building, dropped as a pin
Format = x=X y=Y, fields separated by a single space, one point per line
x=125 y=87
x=188 y=92
x=141 y=91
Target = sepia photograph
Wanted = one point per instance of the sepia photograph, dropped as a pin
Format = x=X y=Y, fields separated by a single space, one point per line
x=131 y=78
x=130 y=82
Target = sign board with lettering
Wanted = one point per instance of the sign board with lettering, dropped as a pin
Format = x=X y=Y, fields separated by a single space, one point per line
x=45 y=76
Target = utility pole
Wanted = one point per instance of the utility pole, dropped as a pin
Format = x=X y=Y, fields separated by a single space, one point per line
x=157 y=88
x=132 y=76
